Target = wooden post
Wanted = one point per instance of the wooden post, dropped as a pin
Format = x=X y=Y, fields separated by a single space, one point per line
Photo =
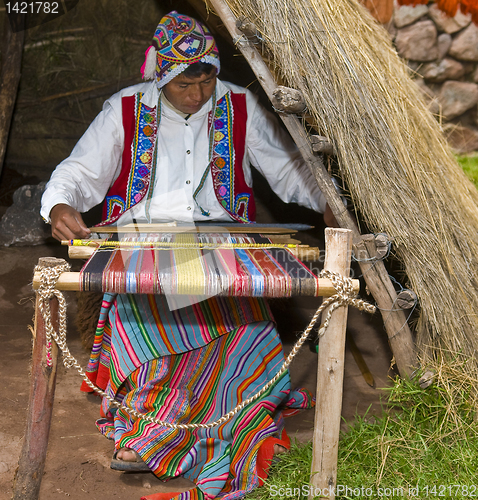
x=376 y=276
x=42 y=391
x=9 y=80
x=383 y=291
x=330 y=375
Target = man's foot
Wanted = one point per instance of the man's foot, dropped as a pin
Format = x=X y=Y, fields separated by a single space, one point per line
x=128 y=455
x=126 y=459
x=278 y=449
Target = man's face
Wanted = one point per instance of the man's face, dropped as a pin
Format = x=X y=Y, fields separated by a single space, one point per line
x=190 y=94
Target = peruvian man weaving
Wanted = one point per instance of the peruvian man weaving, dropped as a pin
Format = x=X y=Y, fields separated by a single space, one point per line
x=178 y=149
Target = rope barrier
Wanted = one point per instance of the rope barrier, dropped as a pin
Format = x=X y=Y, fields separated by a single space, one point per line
x=49 y=275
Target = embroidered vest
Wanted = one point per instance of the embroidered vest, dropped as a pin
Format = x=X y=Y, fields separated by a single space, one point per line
x=228 y=149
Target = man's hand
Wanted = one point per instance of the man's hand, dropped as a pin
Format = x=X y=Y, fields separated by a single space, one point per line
x=67 y=223
x=329 y=217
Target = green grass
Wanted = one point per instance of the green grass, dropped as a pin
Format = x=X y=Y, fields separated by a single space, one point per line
x=425 y=445
x=469 y=163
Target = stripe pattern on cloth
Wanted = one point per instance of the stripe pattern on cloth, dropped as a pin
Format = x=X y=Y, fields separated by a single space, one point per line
x=190 y=270
x=199 y=386
x=135 y=329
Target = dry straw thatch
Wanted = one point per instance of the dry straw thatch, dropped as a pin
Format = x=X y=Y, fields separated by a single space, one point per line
x=391 y=153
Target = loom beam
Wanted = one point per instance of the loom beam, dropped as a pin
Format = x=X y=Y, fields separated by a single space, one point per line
x=373 y=270
x=70 y=281
x=302 y=252
x=42 y=391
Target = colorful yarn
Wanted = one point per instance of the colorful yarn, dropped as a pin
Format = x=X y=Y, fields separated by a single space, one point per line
x=188 y=267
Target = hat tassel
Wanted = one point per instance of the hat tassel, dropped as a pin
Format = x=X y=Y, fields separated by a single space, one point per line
x=149 y=66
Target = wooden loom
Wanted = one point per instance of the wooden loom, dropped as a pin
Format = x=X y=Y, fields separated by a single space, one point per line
x=195 y=263
x=245 y=259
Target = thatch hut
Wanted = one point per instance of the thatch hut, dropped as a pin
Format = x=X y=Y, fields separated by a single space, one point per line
x=391 y=154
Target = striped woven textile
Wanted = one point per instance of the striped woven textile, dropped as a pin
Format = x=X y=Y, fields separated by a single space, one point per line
x=190 y=267
x=135 y=329
x=199 y=386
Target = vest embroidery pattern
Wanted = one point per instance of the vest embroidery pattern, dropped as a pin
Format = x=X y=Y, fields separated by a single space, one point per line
x=142 y=149
x=223 y=164
x=228 y=147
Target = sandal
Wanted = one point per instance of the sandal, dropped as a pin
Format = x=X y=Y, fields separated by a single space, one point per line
x=128 y=466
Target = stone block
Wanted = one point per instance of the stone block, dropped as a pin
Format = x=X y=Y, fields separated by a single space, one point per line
x=457 y=97
x=406 y=15
x=465 y=44
x=448 y=24
x=418 y=42
x=444 y=44
x=21 y=225
x=447 y=69
x=461 y=139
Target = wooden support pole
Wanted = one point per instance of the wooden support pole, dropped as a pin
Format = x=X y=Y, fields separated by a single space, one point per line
x=383 y=291
x=9 y=80
x=42 y=391
x=330 y=375
x=376 y=277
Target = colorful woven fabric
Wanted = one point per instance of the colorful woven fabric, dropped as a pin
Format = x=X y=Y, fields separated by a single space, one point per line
x=239 y=272
x=181 y=41
x=136 y=329
x=199 y=386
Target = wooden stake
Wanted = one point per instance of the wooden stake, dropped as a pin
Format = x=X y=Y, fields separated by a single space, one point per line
x=9 y=80
x=330 y=375
x=383 y=291
x=42 y=391
x=376 y=276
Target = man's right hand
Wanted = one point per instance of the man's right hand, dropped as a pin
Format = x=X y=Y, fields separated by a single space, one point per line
x=67 y=223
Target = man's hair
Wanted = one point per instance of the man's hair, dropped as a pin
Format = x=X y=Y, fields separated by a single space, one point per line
x=198 y=69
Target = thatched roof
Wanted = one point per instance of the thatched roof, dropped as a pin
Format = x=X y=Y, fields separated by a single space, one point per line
x=391 y=152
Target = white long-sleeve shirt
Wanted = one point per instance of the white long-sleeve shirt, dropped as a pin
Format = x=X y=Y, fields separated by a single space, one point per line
x=83 y=179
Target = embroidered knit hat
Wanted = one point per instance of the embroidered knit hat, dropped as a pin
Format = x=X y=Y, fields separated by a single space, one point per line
x=178 y=42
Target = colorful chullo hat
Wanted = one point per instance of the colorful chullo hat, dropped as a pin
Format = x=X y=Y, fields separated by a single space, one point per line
x=178 y=42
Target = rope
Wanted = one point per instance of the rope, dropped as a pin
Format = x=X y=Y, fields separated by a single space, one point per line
x=345 y=296
x=48 y=278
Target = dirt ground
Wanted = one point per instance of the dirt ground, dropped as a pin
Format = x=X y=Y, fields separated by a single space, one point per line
x=77 y=465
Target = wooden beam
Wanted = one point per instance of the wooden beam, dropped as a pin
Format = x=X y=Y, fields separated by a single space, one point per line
x=376 y=277
x=201 y=228
x=302 y=252
x=330 y=375
x=70 y=281
x=9 y=81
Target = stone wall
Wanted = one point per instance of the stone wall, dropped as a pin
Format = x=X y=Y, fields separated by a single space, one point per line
x=443 y=54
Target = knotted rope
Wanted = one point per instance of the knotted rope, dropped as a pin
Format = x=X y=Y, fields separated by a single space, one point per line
x=48 y=278
x=345 y=296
